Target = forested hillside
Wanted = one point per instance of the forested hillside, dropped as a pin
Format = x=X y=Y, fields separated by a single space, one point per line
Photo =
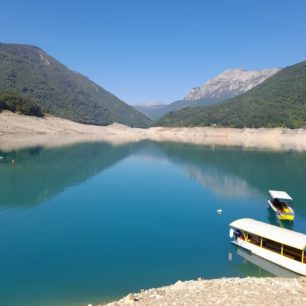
x=279 y=101
x=30 y=71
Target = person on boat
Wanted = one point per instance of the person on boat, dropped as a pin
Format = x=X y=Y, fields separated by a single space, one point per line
x=237 y=234
x=276 y=203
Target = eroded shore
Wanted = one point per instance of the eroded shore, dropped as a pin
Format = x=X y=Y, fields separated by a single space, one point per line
x=17 y=131
x=224 y=291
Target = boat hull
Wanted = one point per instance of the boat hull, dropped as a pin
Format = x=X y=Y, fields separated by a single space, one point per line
x=264 y=264
x=288 y=216
x=285 y=262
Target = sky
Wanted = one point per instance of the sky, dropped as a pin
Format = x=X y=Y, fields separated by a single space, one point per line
x=154 y=51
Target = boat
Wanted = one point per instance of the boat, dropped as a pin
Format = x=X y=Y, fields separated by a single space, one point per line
x=272 y=219
x=280 y=202
x=264 y=265
x=281 y=246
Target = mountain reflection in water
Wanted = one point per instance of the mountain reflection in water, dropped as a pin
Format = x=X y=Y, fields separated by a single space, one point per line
x=92 y=222
x=40 y=173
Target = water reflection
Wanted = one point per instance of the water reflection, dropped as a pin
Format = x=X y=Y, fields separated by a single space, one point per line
x=258 y=265
x=196 y=165
x=274 y=220
x=139 y=216
x=40 y=173
x=236 y=172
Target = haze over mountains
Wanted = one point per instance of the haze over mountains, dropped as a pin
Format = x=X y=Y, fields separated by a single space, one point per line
x=226 y=85
x=30 y=71
x=279 y=101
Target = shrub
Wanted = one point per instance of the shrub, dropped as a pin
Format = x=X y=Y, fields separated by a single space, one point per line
x=17 y=103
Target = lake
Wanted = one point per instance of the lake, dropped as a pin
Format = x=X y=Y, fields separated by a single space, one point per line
x=93 y=222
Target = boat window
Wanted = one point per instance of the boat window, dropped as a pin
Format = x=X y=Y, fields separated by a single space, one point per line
x=252 y=238
x=271 y=245
x=292 y=253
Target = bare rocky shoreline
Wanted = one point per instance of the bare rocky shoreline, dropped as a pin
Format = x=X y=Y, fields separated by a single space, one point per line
x=17 y=131
x=224 y=291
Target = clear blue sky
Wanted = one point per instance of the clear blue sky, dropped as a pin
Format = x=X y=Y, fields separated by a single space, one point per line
x=156 y=50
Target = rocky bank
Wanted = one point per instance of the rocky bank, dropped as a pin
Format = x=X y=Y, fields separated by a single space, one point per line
x=17 y=131
x=224 y=291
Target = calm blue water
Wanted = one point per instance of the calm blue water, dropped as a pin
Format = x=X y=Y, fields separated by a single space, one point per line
x=92 y=222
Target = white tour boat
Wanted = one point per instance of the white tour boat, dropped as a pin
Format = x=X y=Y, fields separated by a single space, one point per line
x=281 y=246
x=264 y=264
x=279 y=202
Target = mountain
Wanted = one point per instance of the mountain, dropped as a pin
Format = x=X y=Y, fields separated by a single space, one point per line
x=153 y=112
x=30 y=71
x=279 y=101
x=228 y=84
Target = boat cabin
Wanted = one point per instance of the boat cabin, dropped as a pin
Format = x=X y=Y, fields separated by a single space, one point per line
x=280 y=199
x=278 y=245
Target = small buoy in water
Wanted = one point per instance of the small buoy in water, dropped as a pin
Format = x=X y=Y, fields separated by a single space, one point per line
x=13 y=161
x=219 y=211
x=230 y=256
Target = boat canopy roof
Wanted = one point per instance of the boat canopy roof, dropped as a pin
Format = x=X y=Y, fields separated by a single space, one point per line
x=279 y=195
x=272 y=232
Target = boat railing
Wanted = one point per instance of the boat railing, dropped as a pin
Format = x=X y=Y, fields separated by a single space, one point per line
x=273 y=246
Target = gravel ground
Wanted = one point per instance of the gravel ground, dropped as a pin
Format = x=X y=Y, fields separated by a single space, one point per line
x=224 y=291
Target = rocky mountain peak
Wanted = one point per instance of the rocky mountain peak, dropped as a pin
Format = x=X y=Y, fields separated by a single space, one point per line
x=230 y=83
